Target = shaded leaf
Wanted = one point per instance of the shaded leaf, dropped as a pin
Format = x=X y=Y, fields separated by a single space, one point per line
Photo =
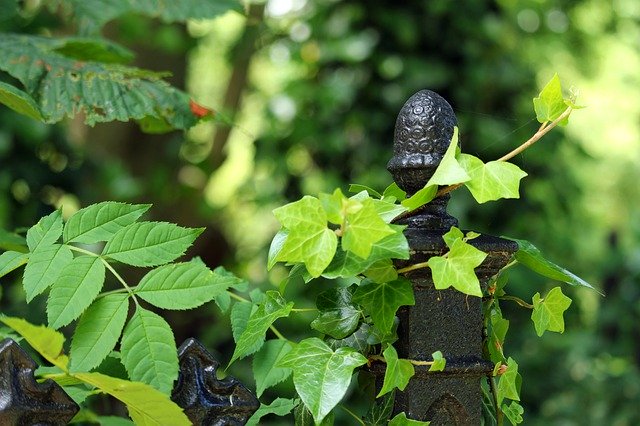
x=11 y=260
x=44 y=268
x=94 y=49
x=382 y=300
x=338 y=316
x=240 y=313
x=398 y=372
x=99 y=222
x=548 y=312
x=493 y=180
x=265 y=370
x=402 y=420
x=19 y=101
x=380 y=412
x=11 y=241
x=279 y=407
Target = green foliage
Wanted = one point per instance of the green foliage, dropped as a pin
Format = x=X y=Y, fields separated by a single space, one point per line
x=398 y=372
x=380 y=412
x=547 y=313
x=509 y=383
x=550 y=104
x=493 y=180
x=265 y=369
x=280 y=407
x=382 y=300
x=339 y=317
x=439 y=362
x=402 y=420
x=45 y=341
x=19 y=101
x=100 y=222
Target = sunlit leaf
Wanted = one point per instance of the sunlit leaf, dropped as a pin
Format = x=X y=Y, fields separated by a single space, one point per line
x=363 y=228
x=279 y=407
x=439 y=362
x=548 y=312
x=46 y=341
x=99 y=222
x=493 y=180
x=11 y=260
x=46 y=232
x=509 y=382
x=513 y=412
x=549 y=104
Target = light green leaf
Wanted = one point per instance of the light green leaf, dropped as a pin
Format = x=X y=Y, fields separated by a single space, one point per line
x=338 y=317
x=550 y=104
x=78 y=394
x=46 y=341
x=388 y=210
x=276 y=247
x=279 y=407
x=453 y=235
x=99 y=222
x=529 y=256
x=183 y=285
x=11 y=260
x=19 y=101
x=509 y=382
x=382 y=271
x=114 y=421
x=98 y=331
x=309 y=240
x=240 y=313
x=147 y=406
x=149 y=351
x=493 y=180
x=497 y=333
x=421 y=197
x=449 y=172
x=44 y=268
x=273 y=307
x=150 y=243
x=398 y=372
x=382 y=300
x=394 y=191
x=78 y=284
x=439 y=362
x=513 y=412
x=355 y=188
x=320 y=375
x=548 y=312
x=265 y=370
x=333 y=205
x=363 y=228
x=46 y=232
x=402 y=420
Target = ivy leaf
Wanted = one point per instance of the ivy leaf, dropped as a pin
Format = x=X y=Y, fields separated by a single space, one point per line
x=146 y=405
x=382 y=300
x=183 y=285
x=273 y=307
x=398 y=372
x=380 y=411
x=497 y=333
x=363 y=228
x=394 y=191
x=548 y=312
x=46 y=341
x=355 y=188
x=402 y=420
x=361 y=339
x=303 y=417
x=509 y=382
x=513 y=412
x=550 y=104
x=149 y=351
x=382 y=271
x=276 y=247
x=99 y=222
x=11 y=260
x=309 y=240
x=338 y=317
x=439 y=362
x=449 y=172
x=265 y=370
x=320 y=375
x=388 y=210
x=150 y=243
x=98 y=331
x=19 y=101
x=279 y=407
x=420 y=198
x=333 y=206
x=44 y=268
x=493 y=180
x=46 y=232
x=529 y=256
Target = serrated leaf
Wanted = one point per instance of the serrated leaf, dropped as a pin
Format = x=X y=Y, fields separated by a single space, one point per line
x=150 y=243
x=273 y=307
x=46 y=341
x=77 y=286
x=509 y=383
x=382 y=300
x=44 y=268
x=493 y=180
x=398 y=372
x=149 y=351
x=548 y=312
x=240 y=313
x=146 y=405
x=183 y=285
x=439 y=362
x=513 y=412
x=338 y=317
x=279 y=407
x=529 y=256
x=99 y=222
x=19 y=101
x=363 y=228
x=380 y=411
x=11 y=260
x=402 y=420
x=550 y=104
x=264 y=364
x=46 y=232
x=320 y=375
x=98 y=331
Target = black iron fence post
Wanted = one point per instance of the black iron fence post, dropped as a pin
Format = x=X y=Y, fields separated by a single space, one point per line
x=444 y=320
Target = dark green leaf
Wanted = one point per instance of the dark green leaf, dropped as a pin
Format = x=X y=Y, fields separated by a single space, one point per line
x=11 y=241
x=279 y=407
x=497 y=332
x=382 y=300
x=19 y=101
x=303 y=417
x=380 y=412
x=94 y=49
x=402 y=420
x=240 y=313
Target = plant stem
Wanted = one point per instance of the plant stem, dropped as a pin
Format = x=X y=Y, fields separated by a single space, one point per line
x=354 y=415
x=304 y=310
x=238 y=297
x=494 y=392
x=518 y=301
x=277 y=332
x=410 y=268
x=412 y=361
x=106 y=293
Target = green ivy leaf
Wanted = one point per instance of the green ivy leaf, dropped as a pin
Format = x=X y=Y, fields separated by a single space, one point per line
x=46 y=341
x=449 y=171
x=149 y=351
x=361 y=339
x=265 y=370
x=279 y=407
x=356 y=188
x=98 y=331
x=420 y=198
x=550 y=104
x=273 y=307
x=439 y=362
x=44 y=268
x=388 y=210
x=497 y=333
x=382 y=271
x=309 y=240
x=150 y=243
x=380 y=412
x=382 y=300
x=509 y=382
x=99 y=222
x=529 y=256
x=338 y=317
x=303 y=417
x=19 y=101
x=363 y=228
x=320 y=375
x=398 y=372
x=548 y=312
x=146 y=405
x=77 y=286
x=46 y=232
x=402 y=420
x=394 y=191
x=513 y=412
x=493 y=180
x=11 y=260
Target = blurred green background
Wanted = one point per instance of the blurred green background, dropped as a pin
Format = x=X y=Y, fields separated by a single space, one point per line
x=313 y=88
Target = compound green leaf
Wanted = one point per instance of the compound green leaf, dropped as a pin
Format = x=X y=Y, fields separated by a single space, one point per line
x=44 y=268
x=402 y=420
x=265 y=370
x=363 y=228
x=46 y=341
x=398 y=372
x=279 y=407
x=19 y=101
x=382 y=300
x=147 y=406
x=449 y=172
x=149 y=351
x=493 y=180
x=439 y=362
x=150 y=243
x=99 y=222
x=273 y=307
x=98 y=331
x=77 y=286
x=183 y=285
x=513 y=412
x=550 y=104
x=548 y=312
x=509 y=382
x=320 y=375
x=11 y=260
x=46 y=232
